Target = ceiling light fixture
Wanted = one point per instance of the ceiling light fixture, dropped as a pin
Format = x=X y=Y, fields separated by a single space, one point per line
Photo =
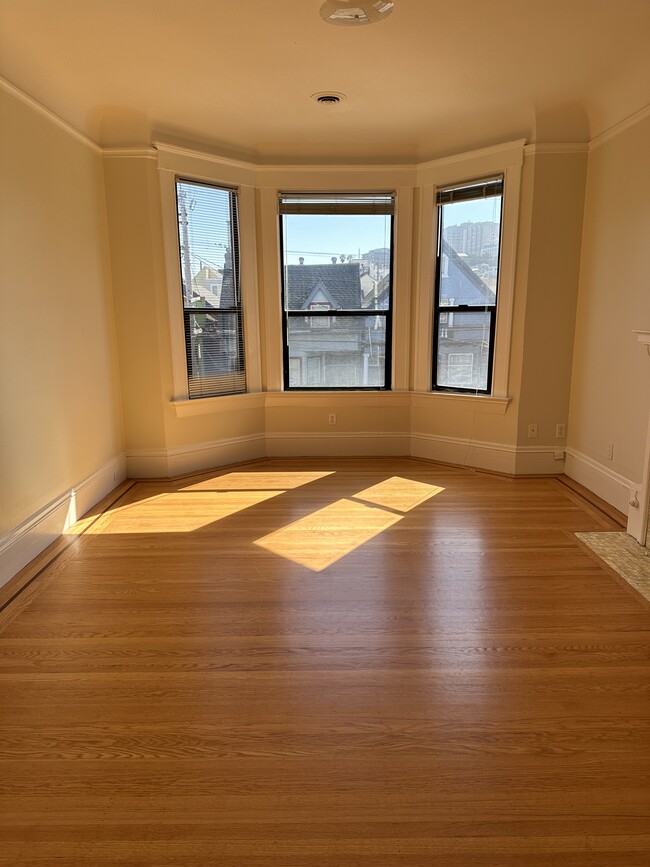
x=355 y=12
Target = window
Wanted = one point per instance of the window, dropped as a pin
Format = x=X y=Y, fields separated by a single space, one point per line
x=320 y=321
x=460 y=366
x=337 y=289
x=467 y=279
x=209 y=258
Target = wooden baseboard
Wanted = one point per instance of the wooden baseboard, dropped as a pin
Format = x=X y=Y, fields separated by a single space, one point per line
x=593 y=499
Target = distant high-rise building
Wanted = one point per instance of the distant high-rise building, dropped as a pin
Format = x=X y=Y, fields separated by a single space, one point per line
x=474 y=239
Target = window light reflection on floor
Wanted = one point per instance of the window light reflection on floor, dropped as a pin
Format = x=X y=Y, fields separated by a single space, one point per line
x=320 y=539
x=198 y=505
x=257 y=481
x=399 y=494
x=183 y=512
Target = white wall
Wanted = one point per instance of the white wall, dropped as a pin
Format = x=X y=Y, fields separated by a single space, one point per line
x=61 y=431
x=610 y=386
x=550 y=269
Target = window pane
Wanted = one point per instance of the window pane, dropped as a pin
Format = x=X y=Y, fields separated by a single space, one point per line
x=356 y=277
x=335 y=262
x=469 y=251
x=209 y=259
x=215 y=357
x=350 y=352
x=467 y=276
x=463 y=350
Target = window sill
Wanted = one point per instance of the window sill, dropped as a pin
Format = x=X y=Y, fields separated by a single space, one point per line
x=370 y=397
x=259 y=400
x=485 y=403
x=222 y=403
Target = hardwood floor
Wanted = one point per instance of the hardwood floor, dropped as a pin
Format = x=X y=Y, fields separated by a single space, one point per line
x=329 y=663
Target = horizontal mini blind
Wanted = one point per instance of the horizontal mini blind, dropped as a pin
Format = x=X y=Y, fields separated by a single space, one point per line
x=336 y=203
x=466 y=192
x=208 y=235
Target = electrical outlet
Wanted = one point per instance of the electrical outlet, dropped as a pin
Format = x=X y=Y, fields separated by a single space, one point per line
x=560 y=431
x=532 y=431
x=610 y=451
x=331 y=419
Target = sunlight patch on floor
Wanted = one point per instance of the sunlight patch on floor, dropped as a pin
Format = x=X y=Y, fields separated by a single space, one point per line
x=258 y=481
x=182 y=512
x=320 y=539
x=399 y=494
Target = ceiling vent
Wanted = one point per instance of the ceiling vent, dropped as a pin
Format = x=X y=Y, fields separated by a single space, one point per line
x=353 y=13
x=328 y=98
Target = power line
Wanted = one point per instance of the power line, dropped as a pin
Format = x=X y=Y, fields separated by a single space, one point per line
x=314 y=253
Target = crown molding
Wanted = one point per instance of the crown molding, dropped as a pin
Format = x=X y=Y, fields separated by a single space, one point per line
x=556 y=148
x=14 y=91
x=252 y=166
x=130 y=153
x=175 y=150
x=619 y=127
x=333 y=167
x=516 y=144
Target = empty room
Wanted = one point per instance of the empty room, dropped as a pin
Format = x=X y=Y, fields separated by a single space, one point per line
x=325 y=439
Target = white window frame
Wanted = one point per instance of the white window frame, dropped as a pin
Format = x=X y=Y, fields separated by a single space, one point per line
x=506 y=160
x=172 y=164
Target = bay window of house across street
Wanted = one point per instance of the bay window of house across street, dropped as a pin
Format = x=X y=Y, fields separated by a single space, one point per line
x=337 y=289
x=467 y=281
x=208 y=237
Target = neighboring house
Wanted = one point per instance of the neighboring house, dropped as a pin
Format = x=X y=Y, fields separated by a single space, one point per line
x=338 y=350
x=342 y=281
x=368 y=287
x=463 y=337
x=382 y=294
x=206 y=284
x=216 y=345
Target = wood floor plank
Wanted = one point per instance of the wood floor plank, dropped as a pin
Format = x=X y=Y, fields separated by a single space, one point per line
x=328 y=663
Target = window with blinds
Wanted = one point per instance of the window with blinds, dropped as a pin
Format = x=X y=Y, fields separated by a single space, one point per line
x=467 y=282
x=208 y=239
x=337 y=289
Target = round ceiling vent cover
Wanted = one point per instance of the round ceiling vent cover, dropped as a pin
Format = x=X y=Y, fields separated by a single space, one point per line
x=328 y=98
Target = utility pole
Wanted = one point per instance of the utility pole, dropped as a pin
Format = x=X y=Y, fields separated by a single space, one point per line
x=185 y=244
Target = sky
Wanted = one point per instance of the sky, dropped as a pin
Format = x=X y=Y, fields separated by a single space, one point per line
x=208 y=217
x=476 y=211
x=315 y=238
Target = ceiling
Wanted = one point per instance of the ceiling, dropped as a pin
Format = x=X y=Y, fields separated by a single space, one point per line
x=236 y=76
